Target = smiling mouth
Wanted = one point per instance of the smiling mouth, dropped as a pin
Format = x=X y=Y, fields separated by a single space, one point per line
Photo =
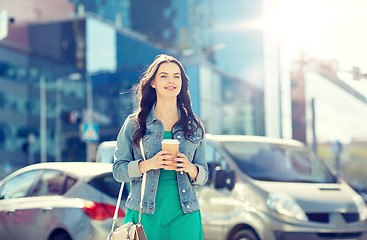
x=170 y=88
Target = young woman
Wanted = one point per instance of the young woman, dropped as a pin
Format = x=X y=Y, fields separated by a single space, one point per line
x=170 y=206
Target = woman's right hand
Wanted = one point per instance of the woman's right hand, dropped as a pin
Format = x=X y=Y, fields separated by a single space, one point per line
x=163 y=159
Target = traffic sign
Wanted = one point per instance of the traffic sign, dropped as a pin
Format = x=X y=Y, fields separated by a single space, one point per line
x=90 y=132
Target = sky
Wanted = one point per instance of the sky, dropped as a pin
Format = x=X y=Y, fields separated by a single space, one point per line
x=327 y=29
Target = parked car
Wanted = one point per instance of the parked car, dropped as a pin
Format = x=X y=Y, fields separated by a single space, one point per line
x=105 y=151
x=261 y=188
x=59 y=201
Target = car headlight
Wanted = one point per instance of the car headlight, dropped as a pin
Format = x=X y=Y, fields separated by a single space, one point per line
x=286 y=206
x=361 y=207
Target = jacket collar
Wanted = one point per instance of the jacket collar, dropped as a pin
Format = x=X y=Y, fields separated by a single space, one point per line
x=151 y=116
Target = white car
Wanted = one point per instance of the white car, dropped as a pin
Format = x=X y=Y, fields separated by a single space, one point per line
x=105 y=152
x=59 y=201
x=264 y=188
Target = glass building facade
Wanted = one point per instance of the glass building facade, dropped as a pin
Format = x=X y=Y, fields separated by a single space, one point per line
x=221 y=31
x=22 y=108
x=242 y=55
x=225 y=104
x=117 y=12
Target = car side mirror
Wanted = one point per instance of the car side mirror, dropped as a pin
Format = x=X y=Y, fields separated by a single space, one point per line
x=224 y=178
x=231 y=179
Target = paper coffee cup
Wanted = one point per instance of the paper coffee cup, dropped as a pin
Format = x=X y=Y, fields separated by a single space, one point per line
x=171 y=144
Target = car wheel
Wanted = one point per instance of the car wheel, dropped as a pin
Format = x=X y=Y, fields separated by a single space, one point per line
x=245 y=235
x=60 y=236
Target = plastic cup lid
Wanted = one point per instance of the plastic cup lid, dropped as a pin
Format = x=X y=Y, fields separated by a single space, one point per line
x=170 y=141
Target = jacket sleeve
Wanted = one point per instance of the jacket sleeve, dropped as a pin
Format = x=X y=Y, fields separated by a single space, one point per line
x=125 y=167
x=199 y=160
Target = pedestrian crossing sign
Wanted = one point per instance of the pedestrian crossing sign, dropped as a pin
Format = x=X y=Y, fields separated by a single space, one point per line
x=90 y=132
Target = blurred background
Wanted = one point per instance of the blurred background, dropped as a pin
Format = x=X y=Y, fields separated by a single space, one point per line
x=278 y=68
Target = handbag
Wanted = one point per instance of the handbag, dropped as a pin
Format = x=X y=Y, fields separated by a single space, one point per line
x=129 y=231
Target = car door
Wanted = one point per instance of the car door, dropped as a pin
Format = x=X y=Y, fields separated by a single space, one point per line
x=35 y=215
x=13 y=193
x=216 y=204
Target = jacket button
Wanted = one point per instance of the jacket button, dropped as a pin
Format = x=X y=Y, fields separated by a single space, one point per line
x=181 y=172
x=187 y=206
x=183 y=190
x=178 y=137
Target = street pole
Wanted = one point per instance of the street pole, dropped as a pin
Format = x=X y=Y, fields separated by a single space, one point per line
x=89 y=100
x=91 y=146
x=30 y=141
x=313 y=112
x=43 y=118
x=337 y=148
x=58 y=120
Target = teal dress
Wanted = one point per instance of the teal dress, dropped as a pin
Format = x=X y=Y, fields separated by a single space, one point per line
x=168 y=221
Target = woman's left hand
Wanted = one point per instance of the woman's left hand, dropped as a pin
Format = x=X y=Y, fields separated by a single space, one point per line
x=184 y=165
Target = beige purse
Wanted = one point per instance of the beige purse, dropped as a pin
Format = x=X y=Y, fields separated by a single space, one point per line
x=129 y=231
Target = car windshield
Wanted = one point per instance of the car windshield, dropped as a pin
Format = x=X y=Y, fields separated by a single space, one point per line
x=282 y=163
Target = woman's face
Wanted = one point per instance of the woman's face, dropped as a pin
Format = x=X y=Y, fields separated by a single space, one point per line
x=167 y=82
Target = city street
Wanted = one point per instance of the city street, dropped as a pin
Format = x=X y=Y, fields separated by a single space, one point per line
x=278 y=87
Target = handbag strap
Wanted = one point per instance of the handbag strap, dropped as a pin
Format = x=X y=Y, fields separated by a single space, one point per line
x=142 y=184
x=141 y=193
x=117 y=206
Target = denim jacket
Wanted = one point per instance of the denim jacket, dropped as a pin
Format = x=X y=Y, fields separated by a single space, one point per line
x=127 y=158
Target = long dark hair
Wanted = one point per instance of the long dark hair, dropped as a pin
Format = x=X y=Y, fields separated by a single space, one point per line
x=147 y=97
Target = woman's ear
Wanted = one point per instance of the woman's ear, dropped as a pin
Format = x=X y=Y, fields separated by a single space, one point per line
x=152 y=84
